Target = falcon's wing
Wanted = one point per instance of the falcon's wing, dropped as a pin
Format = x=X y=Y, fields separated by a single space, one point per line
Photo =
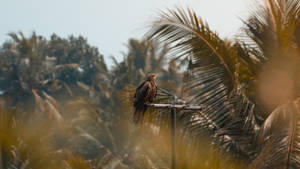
x=141 y=93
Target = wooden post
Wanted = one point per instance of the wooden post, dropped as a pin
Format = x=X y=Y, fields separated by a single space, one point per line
x=173 y=108
x=1 y=161
x=173 y=138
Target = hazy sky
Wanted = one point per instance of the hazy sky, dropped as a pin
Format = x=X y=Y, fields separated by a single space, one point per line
x=108 y=24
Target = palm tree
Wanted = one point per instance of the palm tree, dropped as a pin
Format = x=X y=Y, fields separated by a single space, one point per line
x=143 y=57
x=240 y=82
x=36 y=69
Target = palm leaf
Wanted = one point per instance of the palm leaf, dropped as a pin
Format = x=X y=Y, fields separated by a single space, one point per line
x=272 y=28
x=239 y=136
x=187 y=34
x=280 y=139
x=211 y=66
x=215 y=80
x=48 y=105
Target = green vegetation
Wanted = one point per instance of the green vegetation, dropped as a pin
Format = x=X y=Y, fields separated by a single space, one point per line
x=61 y=107
x=61 y=90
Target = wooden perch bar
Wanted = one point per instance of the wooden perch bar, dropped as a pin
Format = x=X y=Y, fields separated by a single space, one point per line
x=175 y=106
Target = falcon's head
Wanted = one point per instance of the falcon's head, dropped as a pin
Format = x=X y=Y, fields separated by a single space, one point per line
x=151 y=76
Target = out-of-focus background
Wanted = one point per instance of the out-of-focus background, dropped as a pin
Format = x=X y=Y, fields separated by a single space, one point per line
x=109 y=24
x=69 y=71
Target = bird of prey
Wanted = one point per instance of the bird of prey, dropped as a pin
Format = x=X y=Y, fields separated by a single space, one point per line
x=144 y=94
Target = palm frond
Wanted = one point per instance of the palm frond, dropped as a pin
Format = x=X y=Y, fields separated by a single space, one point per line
x=239 y=136
x=280 y=139
x=217 y=80
x=272 y=28
x=188 y=34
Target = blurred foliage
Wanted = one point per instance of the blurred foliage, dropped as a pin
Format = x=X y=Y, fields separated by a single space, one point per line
x=61 y=107
x=76 y=111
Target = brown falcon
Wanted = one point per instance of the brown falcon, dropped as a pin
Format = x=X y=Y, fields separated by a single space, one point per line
x=144 y=94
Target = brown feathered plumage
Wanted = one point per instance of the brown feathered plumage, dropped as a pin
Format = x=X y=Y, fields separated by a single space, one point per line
x=144 y=94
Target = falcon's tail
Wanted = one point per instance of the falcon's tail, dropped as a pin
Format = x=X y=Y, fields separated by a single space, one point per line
x=139 y=112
